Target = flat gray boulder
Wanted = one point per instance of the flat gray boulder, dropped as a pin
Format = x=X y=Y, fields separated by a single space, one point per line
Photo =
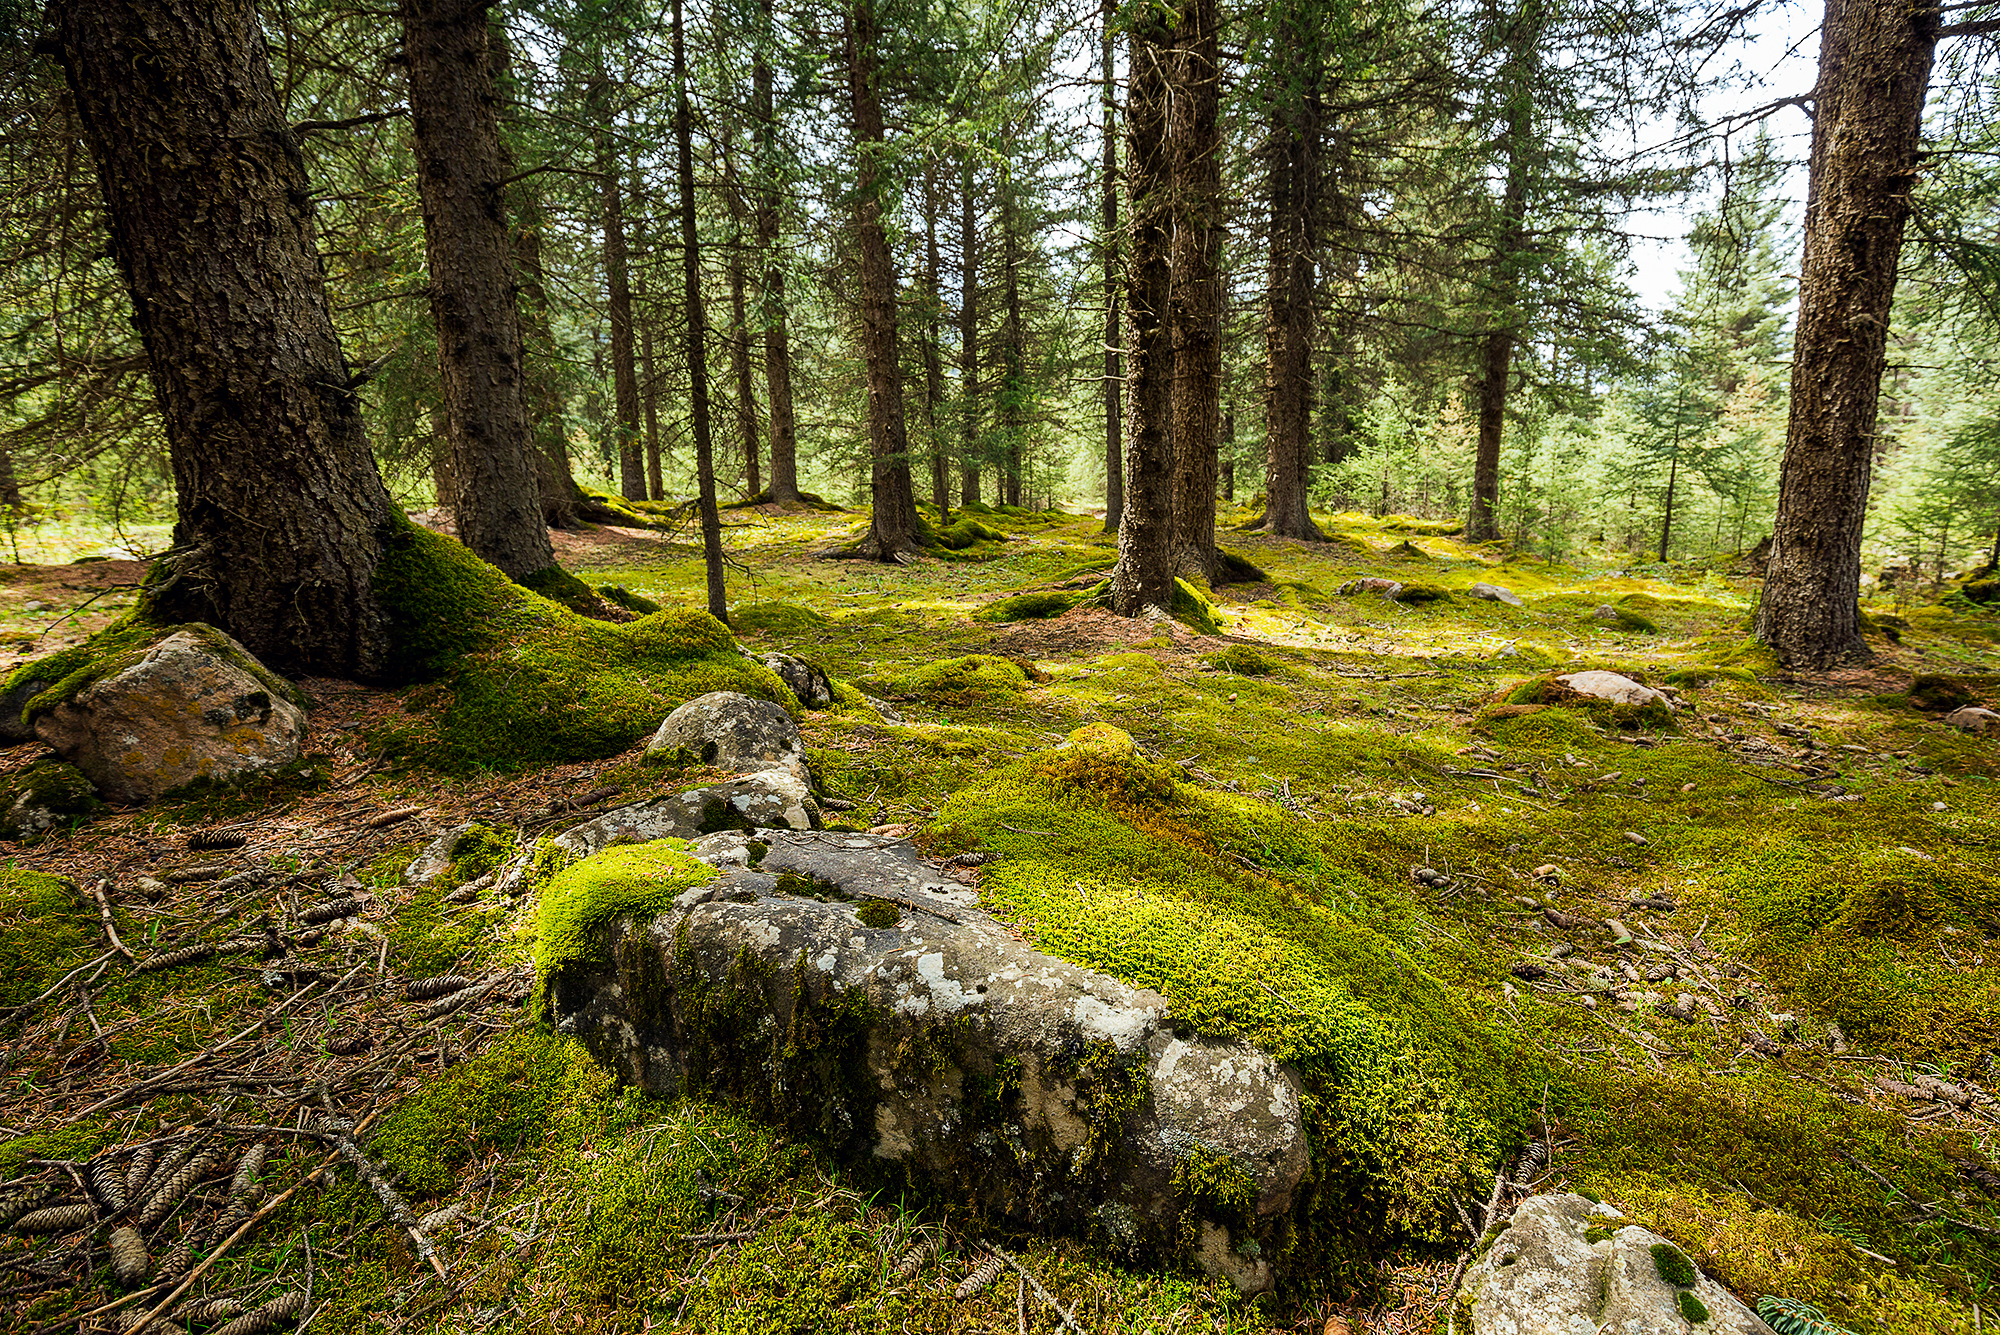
x=1494 y=593
x=731 y=732
x=1613 y=686
x=193 y=706
x=768 y=799
x=1566 y=1266
x=847 y=991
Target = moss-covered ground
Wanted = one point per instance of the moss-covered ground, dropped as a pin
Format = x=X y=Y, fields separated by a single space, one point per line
x=1469 y=912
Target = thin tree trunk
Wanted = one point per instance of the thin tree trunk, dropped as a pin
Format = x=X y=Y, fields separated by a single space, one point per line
x=561 y=497
x=940 y=457
x=1875 y=63
x=649 y=399
x=279 y=506
x=1013 y=350
x=1293 y=163
x=739 y=328
x=1195 y=303
x=892 y=528
x=494 y=497
x=773 y=315
x=1667 y=519
x=1229 y=453
x=697 y=352
x=968 y=336
x=1114 y=376
x=618 y=305
x=1144 y=575
x=1496 y=353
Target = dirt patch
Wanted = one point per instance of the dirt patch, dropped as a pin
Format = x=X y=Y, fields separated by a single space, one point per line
x=46 y=608
x=1086 y=632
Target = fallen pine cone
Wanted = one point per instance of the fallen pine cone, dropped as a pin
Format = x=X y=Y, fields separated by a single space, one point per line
x=339 y=908
x=346 y=1045
x=139 y=1172
x=982 y=1275
x=428 y=989
x=1569 y=922
x=215 y=841
x=191 y=875
x=193 y=954
x=912 y=1260
x=390 y=817
x=54 y=1219
x=174 y=1186
x=1528 y=973
x=129 y=1261
x=1759 y=1043
x=105 y=1184
x=159 y=1325
x=204 y=1310
x=244 y=1180
x=280 y=1310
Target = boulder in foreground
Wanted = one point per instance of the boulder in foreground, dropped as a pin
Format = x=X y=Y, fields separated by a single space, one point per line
x=193 y=706
x=849 y=994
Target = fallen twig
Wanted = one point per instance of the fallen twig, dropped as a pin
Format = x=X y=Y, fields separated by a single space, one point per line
x=104 y=916
x=1061 y=1312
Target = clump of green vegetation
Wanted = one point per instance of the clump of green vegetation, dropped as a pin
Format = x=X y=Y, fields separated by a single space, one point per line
x=1624 y=618
x=1703 y=675
x=1692 y=1308
x=963 y=533
x=638 y=879
x=776 y=618
x=45 y=930
x=1673 y=1266
x=1940 y=693
x=1233 y=567
x=45 y=789
x=620 y=596
x=966 y=680
x=1422 y=593
x=1429 y=528
x=1244 y=662
x=1037 y=606
x=513 y=680
x=1194 y=609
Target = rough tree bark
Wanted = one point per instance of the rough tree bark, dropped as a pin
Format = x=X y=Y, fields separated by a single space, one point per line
x=697 y=353
x=1013 y=347
x=1496 y=346
x=968 y=335
x=1292 y=151
x=495 y=497
x=1144 y=575
x=892 y=526
x=618 y=300
x=1874 y=71
x=1195 y=303
x=562 y=500
x=1114 y=376
x=739 y=328
x=280 y=512
x=777 y=336
x=939 y=456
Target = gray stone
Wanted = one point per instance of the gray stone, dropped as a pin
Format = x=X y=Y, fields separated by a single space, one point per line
x=1972 y=718
x=436 y=857
x=1604 y=612
x=43 y=796
x=808 y=683
x=1494 y=593
x=1612 y=686
x=888 y=711
x=1544 y=1276
x=1388 y=588
x=769 y=799
x=193 y=706
x=731 y=732
x=942 y=1051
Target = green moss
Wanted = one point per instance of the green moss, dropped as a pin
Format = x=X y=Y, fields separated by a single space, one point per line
x=1038 y=606
x=620 y=596
x=1244 y=661
x=1233 y=567
x=963 y=534
x=559 y=586
x=1194 y=609
x=1422 y=593
x=966 y=680
x=120 y=646
x=1702 y=676
x=1624 y=618
x=46 y=929
x=1672 y=1266
x=880 y=913
x=1432 y=528
x=47 y=786
x=776 y=618
x=579 y=899
x=1692 y=1308
x=1596 y=1235
x=1213 y=1186
x=1940 y=693
x=503 y=1097
x=515 y=680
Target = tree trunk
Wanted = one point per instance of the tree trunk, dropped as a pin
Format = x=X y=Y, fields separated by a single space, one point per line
x=278 y=502
x=1144 y=575
x=618 y=304
x=495 y=499
x=1114 y=376
x=1013 y=347
x=892 y=527
x=697 y=352
x=649 y=400
x=1229 y=453
x=968 y=336
x=1293 y=162
x=561 y=498
x=940 y=457
x=1496 y=349
x=739 y=329
x=1875 y=62
x=1195 y=303
x=774 y=315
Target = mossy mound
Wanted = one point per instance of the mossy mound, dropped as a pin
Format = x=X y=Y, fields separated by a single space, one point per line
x=46 y=929
x=1546 y=690
x=1702 y=675
x=776 y=618
x=1940 y=693
x=1194 y=609
x=966 y=531
x=514 y=680
x=1422 y=593
x=582 y=897
x=44 y=790
x=1108 y=861
x=1624 y=618
x=1428 y=528
x=806 y=501
x=1244 y=661
x=604 y=508
x=972 y=679
x=620 y=596
x=1233 y=567
x=1040 y=605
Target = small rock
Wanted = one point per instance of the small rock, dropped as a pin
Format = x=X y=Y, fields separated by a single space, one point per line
x=1939 y=806
x=769 y=799
x=436 y=857
x=1612 y=686
x=1494 y=593
x=34 y=605
x=883 y=707
x=1687 y=787
x=808 y=683
x=1548 y=873
x=46 y=794
x=1972 y=718
x=1427 y=876
x=1759 y=1043
x=1634 y=837
x=1604 y=612
x=1836 y=1041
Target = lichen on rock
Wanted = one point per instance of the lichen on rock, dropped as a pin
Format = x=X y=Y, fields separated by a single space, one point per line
x=46 y=794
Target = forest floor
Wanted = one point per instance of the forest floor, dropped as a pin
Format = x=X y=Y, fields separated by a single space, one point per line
x=1815 y=861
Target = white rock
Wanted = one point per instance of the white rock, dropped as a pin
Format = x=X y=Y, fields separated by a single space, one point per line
x=1619 y=690
x=1494 y=593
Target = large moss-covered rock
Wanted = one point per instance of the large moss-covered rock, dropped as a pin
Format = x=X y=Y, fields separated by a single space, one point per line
x=191 y=706
x=851 y=995
x=731 y=731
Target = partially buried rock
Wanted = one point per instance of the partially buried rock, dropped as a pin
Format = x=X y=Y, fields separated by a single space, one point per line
x=808 y=683
x=1563 y=1266
x=1618 y=689
x=1494 y=593
x=731 y=732
x=1388 y=588
x=43 y=796
x=1604 y=612
x=851 y=994
x=768 y=799
x=193 y=706
x=1972 y=718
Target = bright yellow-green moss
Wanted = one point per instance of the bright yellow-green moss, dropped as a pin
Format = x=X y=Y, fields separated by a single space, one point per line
x=515 y=680
x=46 y=929
x=776 y=618
x=638 y=879
x=954 y=680
x=1038 y=606
x=1194 y=609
